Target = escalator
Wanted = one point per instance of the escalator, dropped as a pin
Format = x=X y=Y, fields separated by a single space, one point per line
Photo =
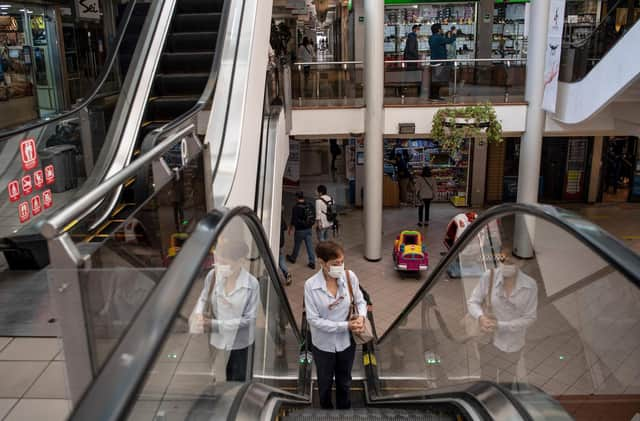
x=595 y=71
x=564 y=335
x=164 y=54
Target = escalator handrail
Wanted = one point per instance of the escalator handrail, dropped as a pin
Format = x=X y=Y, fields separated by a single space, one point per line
x=603 y=244
x=603 y=21
x=114 y=390
x=95 y=94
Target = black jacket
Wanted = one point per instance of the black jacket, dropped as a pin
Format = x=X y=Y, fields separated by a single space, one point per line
x=411 y=47
x=297 y=216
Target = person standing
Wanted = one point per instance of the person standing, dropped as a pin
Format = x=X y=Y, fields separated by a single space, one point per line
x=282 y=263
x=411 y=47
x=302 y=220
x=305 y=55
x=439 y=71
x=323 y=204
x=327 y=301
x=335 y=151
x=425 y=187
x=404 y=175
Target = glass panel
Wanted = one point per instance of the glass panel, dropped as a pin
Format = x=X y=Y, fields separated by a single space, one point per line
x=231 y=327
x=330 y=84
x=561 y=319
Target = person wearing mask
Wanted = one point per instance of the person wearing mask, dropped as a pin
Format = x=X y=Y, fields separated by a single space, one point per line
x=426 y=188
x=411 y=47
x=512 y=309
x=302 y=220
x=323 y=202
x=327 y=302
x=227 y=308
x=439 y=71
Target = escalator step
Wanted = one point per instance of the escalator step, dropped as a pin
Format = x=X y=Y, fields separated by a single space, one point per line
x=199 y=62
x=196 y=22
x=199 y=6
x=180 y=84
x=366 y=414
x=168 y=108
x=192 y=42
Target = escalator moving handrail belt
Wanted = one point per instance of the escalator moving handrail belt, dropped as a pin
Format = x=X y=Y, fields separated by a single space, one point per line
x=603 y=244
x=114 y=390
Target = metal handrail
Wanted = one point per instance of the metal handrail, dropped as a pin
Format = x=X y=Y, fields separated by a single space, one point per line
x=53 y=226
x=603 y=244
x=583 y=42
x=318 y=63
x=451 y=60
x=114 y=390
x=6 y=134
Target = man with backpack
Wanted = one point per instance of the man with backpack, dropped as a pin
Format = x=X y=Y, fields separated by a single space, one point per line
x=325 y=213
x=303 y=217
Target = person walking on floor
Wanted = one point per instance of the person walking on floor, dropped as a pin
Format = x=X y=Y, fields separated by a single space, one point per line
x=425 y=187
x=411 y=47
x=327 y=301
x=439 y=71
x=324 y=206
x=302 y=220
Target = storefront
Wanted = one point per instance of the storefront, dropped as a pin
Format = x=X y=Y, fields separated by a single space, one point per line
x=30 y=61
x=620 y=171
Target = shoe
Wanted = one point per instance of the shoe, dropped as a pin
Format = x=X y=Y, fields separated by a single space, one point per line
x=290 y=259
x=289 y=279
x=419 y=224
x=312 y=266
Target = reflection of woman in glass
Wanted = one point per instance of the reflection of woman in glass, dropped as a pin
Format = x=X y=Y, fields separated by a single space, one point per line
x=227 y=308
x=512 y=309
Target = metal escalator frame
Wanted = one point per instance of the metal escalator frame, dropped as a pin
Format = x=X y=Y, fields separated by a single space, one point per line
x=94 y=94
x=603 y=244
x=113 y=391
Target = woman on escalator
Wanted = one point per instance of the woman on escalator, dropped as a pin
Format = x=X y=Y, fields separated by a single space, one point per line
x=327 y=299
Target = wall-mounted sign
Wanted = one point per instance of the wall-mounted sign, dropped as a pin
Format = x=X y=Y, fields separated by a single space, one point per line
x=38 y=179
x=47 y=199
x=23 y=212
x=88 y=9
x=27 y=185
x=49 y=174
x=407 y=128
x=36 y=205
x=28 y=154
x=14 y=190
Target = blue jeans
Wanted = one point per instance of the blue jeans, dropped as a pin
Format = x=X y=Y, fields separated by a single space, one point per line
x=323 y=234
x=298 y=238
x=282 y=263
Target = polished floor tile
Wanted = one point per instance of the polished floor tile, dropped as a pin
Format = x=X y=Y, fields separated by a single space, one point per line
x=18 y=376
x=40 y=409
x=31 y=349
x=51 y=384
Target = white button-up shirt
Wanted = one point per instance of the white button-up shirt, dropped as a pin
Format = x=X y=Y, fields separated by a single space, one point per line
x=327 y=314
x=514 y=313
x=234 y=313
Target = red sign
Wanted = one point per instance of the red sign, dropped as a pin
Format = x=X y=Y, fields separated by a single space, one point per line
x=28 y=154
x=47 y=199
x=38 y=179
x=23 y=212
x=49 y=175
x=27 y=186
x=36 y=205
x=14 y=190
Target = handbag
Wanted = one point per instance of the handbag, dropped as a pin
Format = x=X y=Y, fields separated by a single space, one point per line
x=472 y=325
x=367 y=334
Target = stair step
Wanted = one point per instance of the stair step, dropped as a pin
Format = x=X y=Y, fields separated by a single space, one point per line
x=196 y=22
x=198 y=62
x=199 y=6
x=366 y=414
x=178 y=84
x=168 y=108
x=191 y=42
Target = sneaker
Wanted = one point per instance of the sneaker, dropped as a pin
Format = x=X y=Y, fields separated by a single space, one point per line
x=312 y=266
x=419 y=224
x=289 y=279
x=290 y=259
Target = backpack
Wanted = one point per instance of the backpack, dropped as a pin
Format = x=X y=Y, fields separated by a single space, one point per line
x=332 y=215
x=309 y=215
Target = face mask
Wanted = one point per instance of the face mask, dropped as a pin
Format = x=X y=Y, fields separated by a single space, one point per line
x=336 y=272
x=223 y=271
x=508 y=271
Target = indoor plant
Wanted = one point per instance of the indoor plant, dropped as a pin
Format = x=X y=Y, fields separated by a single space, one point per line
x=452 y=125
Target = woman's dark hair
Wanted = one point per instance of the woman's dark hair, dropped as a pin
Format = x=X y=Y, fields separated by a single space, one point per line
x=426 y=172
x=329 y=250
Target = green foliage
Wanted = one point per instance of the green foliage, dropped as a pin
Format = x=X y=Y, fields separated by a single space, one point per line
x=481 y=121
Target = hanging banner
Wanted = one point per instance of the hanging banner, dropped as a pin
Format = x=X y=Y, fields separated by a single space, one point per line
x=292 y=170
x=88 y=9
x=552 y=56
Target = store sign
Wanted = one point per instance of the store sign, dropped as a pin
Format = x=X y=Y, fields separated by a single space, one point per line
x=14 y=190
x=552 y=57
x=28 y=154
x=88 y=9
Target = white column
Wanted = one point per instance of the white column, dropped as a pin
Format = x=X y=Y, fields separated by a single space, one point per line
x=596 y=169
x=374 y=121
x=531 y=143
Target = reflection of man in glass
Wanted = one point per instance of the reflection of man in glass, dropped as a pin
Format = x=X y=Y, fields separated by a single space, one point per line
x=227 y=307
x=513 y=308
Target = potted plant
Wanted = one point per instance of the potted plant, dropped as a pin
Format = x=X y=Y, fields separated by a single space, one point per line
x=452 y=125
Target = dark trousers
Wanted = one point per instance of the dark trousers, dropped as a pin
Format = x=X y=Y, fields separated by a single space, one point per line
x=237 y=365
x=298 y=237
x=423 y=210
x=338 y=365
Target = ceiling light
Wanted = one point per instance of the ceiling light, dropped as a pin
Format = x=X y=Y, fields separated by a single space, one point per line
x=5 y=6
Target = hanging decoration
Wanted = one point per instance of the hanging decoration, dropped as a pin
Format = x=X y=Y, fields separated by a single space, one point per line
x=452 y=125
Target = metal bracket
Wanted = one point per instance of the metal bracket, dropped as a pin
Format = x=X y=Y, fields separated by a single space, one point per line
x=162 y=174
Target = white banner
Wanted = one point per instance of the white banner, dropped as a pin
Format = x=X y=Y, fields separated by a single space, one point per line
x=552 y=56
x=88 y=9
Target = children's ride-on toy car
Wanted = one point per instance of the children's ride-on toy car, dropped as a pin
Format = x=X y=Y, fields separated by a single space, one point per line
x=409 y=252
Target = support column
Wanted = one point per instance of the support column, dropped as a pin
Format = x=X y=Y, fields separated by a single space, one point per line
x=531 y=144
x=596 y=170
x=374 y=124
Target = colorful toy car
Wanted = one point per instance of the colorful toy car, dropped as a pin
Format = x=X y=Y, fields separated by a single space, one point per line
x=409 y=252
